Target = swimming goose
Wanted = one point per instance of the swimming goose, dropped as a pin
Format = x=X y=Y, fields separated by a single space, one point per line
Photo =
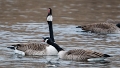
x=34 y=49
x=103 y=28
x=37 y=48
x=78 y=54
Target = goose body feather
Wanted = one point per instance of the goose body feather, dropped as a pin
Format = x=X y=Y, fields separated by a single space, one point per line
x=81 y=55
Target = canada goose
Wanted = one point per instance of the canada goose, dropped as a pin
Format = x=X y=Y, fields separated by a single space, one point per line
x=37 y=48
x=34 y=49
x=77 y=54
x=103 y=28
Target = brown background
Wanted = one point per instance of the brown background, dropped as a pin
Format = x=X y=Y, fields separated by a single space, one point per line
x=64 y=11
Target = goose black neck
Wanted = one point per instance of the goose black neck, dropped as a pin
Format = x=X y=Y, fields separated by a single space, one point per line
x=55 y=45
x=118 y=25
x=51 y=30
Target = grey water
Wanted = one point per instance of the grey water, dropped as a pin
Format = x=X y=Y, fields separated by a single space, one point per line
x=24 y=21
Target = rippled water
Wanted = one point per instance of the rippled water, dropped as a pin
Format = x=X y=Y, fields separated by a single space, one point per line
x=24 y=21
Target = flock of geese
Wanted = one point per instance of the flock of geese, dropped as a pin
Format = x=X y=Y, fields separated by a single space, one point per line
x=49 y=47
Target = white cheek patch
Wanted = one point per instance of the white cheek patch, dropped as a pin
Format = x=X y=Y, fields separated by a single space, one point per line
x=49 y=18
x=46 y=40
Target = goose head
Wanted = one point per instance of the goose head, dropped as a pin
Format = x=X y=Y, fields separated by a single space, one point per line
x=14 y=47
x=85 y=27
x=49 y=16
x=47 y=40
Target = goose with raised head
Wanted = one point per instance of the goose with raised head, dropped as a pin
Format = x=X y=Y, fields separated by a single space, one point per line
x=77 y=54
x=102 y=28
x=49 y=20
x=37 y=48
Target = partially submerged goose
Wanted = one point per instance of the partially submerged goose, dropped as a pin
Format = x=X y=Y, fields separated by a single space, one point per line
x=37 y=48
x=78 y=54
x=102 y=28
x=34 y=49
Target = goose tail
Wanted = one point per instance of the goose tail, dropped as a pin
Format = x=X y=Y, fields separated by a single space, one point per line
x=106 y=55
x=118 y=25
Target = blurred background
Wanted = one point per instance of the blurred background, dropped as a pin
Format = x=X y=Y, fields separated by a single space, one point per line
x=64 y=11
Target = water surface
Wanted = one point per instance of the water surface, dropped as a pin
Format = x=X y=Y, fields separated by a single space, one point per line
x=25 y=21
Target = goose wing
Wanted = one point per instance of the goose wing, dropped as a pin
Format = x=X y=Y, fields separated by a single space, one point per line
x=32 y=46
x=103 y=25
x=85 y=53
x=98 y=25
